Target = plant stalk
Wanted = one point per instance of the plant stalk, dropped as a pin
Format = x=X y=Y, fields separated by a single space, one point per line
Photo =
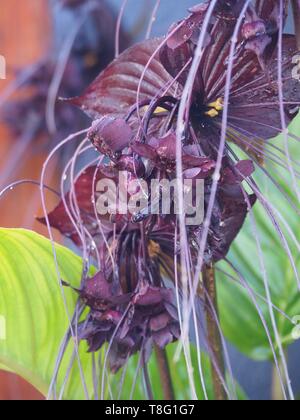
x=165 y=374
x=148 y=383
x=277 y=392
x=213 y=333
x=296 y=13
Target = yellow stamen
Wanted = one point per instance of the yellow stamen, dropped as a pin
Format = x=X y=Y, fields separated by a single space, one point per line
x=158 y=110
x=212 y=113
x=217 y=105
x=154 y=249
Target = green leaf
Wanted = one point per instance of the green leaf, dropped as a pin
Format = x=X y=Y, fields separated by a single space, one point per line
x=239 y=317
x=32 y=306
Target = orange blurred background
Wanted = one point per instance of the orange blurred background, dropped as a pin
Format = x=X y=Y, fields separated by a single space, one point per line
x=24 y=37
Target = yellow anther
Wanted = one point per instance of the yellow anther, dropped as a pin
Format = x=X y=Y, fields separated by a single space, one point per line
x=218 y=105
x=212 y=113
x=153 y=249
x=158 y=110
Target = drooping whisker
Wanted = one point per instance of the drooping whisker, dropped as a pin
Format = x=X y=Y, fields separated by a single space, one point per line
x=281 y=105
x=257 y=295
x=241 y=91
x=270 y=213
x=259 y=145
x=21 y=182
x=276 y=129
x=44 y=207
x=273 y=181
x=263 y=104
x=59 y=71
x=152 y=18
x=71 y=205
x=269 y=300
x=222 y=143
x=63 y=347
x=118 y=27
x=260 y=150
x=264 y=322
x=109 y=348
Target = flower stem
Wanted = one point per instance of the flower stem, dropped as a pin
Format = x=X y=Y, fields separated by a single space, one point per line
x=165 y=374
x=147 y=383
x=213 y=333
x=296 y=13
x=277 y=392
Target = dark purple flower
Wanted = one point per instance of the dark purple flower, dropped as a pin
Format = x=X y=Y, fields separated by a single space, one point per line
x=254 y=113
x=136 y=119
x=130 y=322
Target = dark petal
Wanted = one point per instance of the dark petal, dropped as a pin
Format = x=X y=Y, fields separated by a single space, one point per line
x=112 y=316
x=148 y=296
x=246 y=168
x=254 y=114
x=167 y=146
x=163 y=337
x=96 y=341
x=130 y=164
x=228 y=10
x=144 y=150
x=256 y=44
x=188 y=27
x=175 y=330
x=233 y=213
x=96 y=290
x=176 y=63
x=59 y=218
x=99 y=323
x=86 y=330
x=160 y=322
x=205 y=165
x=215 y=61
x=114 y=92
x=171 y=308
x=110 y=135
x=119 y=353
x=95 y=333
x=198 y=173
x=267 y=9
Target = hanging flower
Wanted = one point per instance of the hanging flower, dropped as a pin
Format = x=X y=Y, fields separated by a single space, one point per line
x=135 y=103
x=147 y=315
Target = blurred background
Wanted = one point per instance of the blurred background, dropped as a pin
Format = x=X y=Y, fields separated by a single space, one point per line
x=35 y=32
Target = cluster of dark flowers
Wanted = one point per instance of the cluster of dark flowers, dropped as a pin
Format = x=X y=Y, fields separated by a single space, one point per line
x=134 y=104
x=92 y=50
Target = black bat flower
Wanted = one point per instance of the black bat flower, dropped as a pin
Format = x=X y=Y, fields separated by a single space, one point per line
x=135 y=103
x=254 y=112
